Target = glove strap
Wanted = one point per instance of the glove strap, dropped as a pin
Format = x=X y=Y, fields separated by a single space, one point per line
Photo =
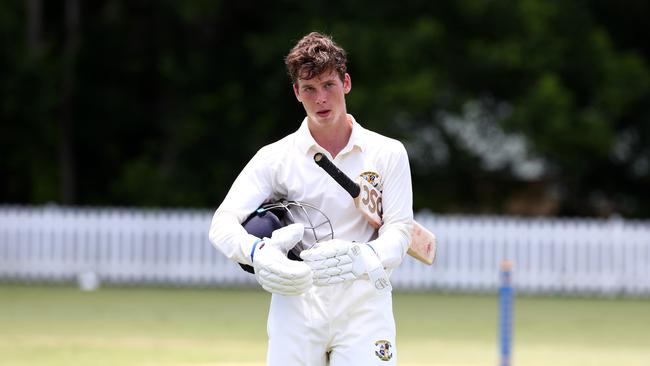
x=376 y=272
x=380 y=280
x=253 y=248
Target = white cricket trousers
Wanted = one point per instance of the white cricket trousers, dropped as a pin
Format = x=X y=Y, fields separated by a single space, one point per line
x=340 y=325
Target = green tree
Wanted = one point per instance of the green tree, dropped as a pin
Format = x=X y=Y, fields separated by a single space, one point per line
x=531 y=107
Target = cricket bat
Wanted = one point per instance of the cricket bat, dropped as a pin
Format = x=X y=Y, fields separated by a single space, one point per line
x=367 y=200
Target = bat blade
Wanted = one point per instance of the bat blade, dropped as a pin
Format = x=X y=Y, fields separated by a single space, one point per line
x=368 y=202
x=423 y=244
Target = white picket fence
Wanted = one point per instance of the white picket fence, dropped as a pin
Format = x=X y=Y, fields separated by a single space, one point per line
x=171 y=247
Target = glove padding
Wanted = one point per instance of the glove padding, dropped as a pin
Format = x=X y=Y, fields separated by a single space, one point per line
x=335 y=261
x=274 y=271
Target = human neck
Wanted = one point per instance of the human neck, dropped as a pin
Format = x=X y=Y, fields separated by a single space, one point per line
x=332 y=137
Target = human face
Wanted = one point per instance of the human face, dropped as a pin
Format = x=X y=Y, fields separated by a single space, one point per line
x=323 y=97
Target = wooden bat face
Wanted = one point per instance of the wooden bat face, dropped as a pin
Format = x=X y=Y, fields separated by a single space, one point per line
x=368 y=202
x=423 y=244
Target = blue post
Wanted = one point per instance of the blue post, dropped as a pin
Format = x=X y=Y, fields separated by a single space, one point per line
x=506 y=300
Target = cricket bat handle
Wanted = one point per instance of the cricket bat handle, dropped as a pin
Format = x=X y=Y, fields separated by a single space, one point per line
x=370 y=207
x=341 y=178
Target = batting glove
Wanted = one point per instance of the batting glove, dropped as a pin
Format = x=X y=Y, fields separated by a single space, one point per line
x=273 y=270
x=335 y=261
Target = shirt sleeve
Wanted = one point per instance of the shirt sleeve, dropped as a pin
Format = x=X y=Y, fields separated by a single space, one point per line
x=250 y=189
x=397 y=201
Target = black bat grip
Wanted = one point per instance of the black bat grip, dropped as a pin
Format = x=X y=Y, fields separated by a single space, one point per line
x=340 y=177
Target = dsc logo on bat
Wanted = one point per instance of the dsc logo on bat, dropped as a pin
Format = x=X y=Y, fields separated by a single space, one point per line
x=370 y=197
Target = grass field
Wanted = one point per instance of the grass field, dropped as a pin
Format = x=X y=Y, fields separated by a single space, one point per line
x=58 y=326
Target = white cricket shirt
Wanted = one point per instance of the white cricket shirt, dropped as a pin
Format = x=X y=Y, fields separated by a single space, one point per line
x=286 y=169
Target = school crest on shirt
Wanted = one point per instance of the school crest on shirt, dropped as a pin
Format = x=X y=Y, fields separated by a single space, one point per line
x=372 y=178
x=383 y=350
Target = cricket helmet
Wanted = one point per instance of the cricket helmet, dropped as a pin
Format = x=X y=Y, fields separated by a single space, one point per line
x=272 y=216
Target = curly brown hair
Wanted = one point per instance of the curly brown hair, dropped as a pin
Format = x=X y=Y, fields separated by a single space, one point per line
x=314 y=54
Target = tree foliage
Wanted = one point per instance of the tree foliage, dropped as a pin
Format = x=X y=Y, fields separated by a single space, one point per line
x=531 y=107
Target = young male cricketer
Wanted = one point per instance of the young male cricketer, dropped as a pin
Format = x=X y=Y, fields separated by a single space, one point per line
x=324 y=310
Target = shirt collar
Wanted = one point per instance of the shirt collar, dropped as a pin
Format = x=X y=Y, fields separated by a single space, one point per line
x=305 y=141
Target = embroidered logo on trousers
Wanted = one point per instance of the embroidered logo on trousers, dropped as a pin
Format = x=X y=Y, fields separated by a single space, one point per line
x=383 y=350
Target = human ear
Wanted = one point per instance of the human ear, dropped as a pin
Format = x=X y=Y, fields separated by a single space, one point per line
x=296 y=92
x=347 y=83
